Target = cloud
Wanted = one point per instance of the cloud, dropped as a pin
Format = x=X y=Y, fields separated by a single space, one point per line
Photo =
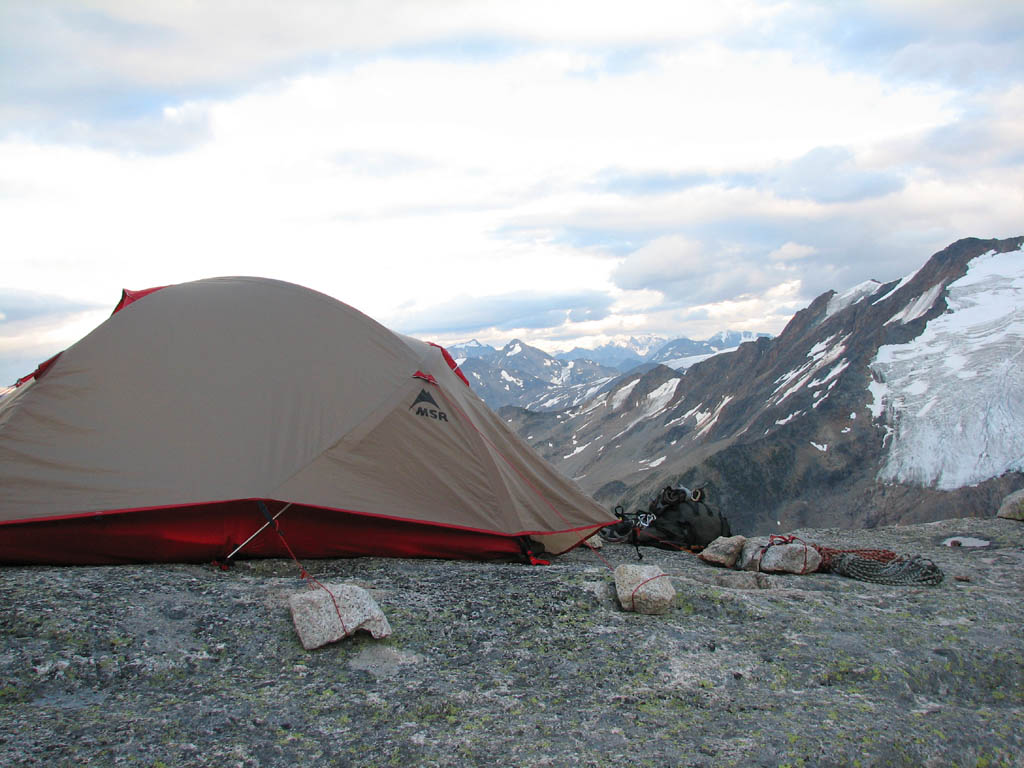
x=790 y=251
x=34 y=326
x=943 y=42
x=20 y=306
x=662 y=262
x=379 y=164
x=645 y=171
x=174 y=130
x=689 y=274
x=521 y=310
x=132 y=59
x=649 y=183
x=989 y=137
x=831 y=175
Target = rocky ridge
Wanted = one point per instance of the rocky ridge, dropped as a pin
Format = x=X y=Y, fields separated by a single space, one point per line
x=796 y=430
x=507 y=664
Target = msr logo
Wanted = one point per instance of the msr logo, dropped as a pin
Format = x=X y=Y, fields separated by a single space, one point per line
x=423 y=399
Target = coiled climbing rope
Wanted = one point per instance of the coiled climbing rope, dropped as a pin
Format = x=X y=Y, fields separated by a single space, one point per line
x=899 y=570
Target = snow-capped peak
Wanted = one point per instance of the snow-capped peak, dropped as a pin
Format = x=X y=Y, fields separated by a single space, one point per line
x=644 y=344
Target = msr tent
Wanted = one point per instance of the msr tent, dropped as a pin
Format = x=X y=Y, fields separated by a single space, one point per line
x=176 y=426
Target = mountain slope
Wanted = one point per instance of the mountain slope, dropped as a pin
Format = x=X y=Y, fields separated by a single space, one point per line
x=825 y=424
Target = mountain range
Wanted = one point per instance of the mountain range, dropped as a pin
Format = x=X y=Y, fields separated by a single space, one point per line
x=525 y=376
x=887 y=403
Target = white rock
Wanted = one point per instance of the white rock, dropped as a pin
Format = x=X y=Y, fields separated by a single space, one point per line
x=723 y=551
x=319 y=622
x=644 y=588
x=1012 y=507
x=790 y=558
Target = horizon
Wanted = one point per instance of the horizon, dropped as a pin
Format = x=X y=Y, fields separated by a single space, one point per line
x=565 y=173
x=621 y=342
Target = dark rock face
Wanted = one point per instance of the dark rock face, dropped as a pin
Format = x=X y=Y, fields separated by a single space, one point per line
x=781 y=430
x=506 y=664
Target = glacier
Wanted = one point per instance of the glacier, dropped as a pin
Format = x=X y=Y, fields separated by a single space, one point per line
x=952 y=397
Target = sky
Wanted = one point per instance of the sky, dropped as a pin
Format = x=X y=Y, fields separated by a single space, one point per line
x=565 y=173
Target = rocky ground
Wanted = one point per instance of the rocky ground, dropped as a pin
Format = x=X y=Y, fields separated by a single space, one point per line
x=513 y=665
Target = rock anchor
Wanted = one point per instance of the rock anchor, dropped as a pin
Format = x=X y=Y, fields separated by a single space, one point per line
x=644 y=589
x=318 y=622
x=750 y=556
x=790 y=558
x=723 y=551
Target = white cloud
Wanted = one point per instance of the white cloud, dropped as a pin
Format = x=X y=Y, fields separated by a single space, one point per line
x=791 y=252
x=169 y=42
x=399 y=154
x=663 y=261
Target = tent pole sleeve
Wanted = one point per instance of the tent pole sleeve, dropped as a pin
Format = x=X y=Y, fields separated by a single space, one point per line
x=258 y=532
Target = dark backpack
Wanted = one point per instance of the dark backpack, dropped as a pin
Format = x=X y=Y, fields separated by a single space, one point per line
x=677 y=518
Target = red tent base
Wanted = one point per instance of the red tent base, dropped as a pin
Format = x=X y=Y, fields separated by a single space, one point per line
x=212 y=531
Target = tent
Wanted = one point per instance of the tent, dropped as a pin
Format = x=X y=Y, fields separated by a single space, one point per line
x=179 y=425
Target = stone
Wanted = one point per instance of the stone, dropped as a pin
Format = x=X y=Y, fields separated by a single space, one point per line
x=644 y=589
x=1012 y=507
x=790 y=558
x=723 y=551
x=750 y=556
x=319 y=622
x=743 y=580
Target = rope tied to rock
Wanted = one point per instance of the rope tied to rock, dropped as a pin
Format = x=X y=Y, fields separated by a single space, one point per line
x=303 y=573
x=878 y=566
x=632 y=596
x=777 y=539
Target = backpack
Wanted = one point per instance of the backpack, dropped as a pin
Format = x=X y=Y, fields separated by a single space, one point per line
x=677 y=518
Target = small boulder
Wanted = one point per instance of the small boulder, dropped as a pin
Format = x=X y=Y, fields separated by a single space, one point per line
x=1012 y=507
x=790 y=558
x=723 y=551
x=644 y=589
x=326 y=615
